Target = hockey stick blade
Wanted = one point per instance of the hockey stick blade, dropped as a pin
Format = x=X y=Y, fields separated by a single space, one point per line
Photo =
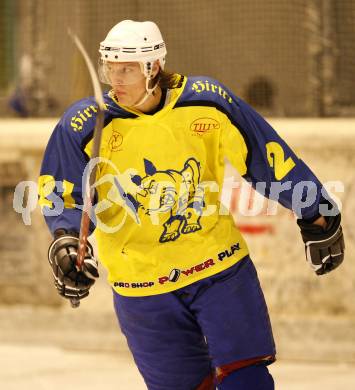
x=94 y=79
x=89 y=190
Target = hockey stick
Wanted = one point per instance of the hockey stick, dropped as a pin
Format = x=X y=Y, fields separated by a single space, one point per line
x=90 y=180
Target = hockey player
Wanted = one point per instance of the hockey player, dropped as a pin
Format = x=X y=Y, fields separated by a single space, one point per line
x=185 y=291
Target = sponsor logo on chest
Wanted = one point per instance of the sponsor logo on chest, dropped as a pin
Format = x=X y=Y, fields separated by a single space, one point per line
x=202 y=126
x=115 y=141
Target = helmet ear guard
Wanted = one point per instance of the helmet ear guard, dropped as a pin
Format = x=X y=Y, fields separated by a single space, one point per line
x=147 y=66
x=148 y=69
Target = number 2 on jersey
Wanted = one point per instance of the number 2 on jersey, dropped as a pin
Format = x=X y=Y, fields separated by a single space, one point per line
x=276 y=158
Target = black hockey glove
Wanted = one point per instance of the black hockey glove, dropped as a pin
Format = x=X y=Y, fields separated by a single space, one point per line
x=324 y=247
x=62 y=254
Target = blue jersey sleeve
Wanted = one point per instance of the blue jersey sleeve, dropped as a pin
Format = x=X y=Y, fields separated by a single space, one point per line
x=60 y=182
x=271 y=161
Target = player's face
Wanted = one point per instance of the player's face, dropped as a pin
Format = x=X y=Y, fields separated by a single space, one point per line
x=127 y=81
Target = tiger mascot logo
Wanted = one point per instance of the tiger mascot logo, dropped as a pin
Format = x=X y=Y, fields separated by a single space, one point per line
x=174 y=193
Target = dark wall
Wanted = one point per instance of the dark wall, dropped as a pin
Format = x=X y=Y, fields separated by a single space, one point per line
x=272 y=53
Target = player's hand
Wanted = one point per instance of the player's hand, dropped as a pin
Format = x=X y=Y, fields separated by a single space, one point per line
x=71 y=283
x=324 y=246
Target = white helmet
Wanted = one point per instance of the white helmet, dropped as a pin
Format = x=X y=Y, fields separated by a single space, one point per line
x=130 y=41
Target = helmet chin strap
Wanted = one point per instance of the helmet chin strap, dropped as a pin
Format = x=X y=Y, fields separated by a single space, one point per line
x=148 y=92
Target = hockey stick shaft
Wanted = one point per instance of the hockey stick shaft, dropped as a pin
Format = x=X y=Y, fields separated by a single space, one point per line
x=89 y=191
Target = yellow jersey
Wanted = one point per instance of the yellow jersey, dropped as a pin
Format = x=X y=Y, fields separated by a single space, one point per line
x=159 y=223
